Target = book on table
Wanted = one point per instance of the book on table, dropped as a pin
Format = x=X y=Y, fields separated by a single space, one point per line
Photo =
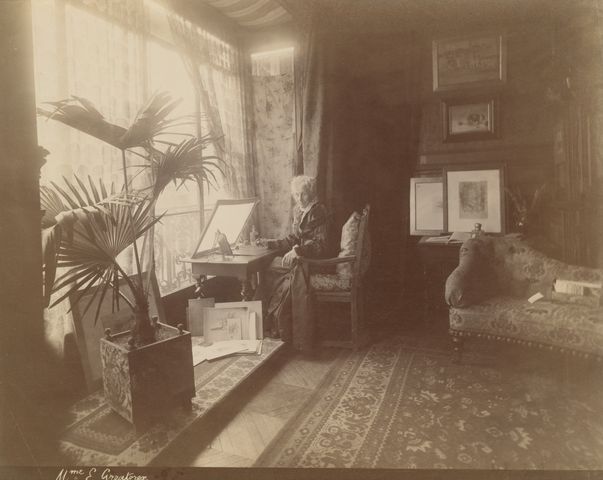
x=579 y=292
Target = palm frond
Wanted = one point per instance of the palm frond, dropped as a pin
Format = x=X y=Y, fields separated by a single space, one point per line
x=183 y=162
x=50 y=249
x=52 y=205
x=79 y=113
x=90 y=256
x=151 y=120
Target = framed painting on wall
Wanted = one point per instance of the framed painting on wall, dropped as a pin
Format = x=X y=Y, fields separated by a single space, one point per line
x=474 y=195
x=426 y=206
x=469 y=61
x=470 y=119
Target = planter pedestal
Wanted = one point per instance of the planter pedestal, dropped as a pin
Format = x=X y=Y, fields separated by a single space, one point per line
x=140 y=383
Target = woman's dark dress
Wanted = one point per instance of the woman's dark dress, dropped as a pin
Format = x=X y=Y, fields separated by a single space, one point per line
x=289 y=305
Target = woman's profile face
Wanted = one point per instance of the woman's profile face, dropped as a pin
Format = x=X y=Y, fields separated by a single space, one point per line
x=302 y=198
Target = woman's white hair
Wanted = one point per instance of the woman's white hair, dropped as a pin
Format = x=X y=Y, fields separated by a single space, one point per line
x=304 y=183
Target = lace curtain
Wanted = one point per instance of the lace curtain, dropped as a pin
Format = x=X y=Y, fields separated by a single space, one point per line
x=108 y=52
x=213 y=67
x=273 y=104
x=78 y=51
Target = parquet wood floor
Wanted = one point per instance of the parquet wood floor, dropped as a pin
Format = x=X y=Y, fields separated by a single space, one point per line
x=239 y=429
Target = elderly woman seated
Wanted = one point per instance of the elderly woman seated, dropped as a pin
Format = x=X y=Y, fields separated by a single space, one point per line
x=287 y=312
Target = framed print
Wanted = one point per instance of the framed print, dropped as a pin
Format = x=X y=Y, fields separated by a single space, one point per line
x=474 y=195
x=469 y=61
x=471 y=119
x=426 y=206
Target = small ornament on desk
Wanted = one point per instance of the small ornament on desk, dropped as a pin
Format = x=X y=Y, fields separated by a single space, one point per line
x=222 y=243
x=253 y=235
x=477 y=230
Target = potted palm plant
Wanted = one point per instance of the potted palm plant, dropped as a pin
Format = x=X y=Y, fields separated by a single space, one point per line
x=86 y=226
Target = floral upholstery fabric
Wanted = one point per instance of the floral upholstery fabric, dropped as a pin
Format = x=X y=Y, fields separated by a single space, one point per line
x=522 y=271
x=562 y=325
x=515 y=271
x=349 y=238
x=330 y=282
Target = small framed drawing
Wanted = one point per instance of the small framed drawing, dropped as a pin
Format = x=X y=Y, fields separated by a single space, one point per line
x=470 y=119
x=474 y=195
x=426 y=206
x=469 y=62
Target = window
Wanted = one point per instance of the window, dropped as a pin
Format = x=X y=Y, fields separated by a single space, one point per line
x=117 y=57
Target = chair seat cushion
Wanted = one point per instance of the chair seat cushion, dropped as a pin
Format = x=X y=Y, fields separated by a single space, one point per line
x=561 y=325
x=329 y=282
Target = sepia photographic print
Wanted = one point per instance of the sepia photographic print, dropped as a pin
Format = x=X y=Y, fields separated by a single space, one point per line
x=299 y=239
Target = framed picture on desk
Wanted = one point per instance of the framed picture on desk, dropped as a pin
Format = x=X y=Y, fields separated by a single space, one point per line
x=474 y=195
x=426 y=206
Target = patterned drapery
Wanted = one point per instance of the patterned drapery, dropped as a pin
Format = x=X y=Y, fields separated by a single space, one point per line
x=273 y=103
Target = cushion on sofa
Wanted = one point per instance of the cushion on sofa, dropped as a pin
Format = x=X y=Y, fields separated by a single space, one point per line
x=569 y=326
x=473 y=280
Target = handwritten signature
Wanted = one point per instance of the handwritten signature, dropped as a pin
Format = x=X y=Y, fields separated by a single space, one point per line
x=96 y=473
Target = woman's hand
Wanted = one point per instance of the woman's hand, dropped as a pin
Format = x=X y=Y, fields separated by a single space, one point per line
x=290 y=257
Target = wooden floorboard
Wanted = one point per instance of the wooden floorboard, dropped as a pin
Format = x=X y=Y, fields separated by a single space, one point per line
x=239 y=430
x=216 y=458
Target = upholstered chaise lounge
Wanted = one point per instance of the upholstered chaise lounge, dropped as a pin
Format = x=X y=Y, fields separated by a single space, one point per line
x=488 y=296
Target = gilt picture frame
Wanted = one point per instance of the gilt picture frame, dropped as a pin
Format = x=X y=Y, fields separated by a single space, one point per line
x=470 y=119
x=470 y=61
x=426 y=206
x=474 y=195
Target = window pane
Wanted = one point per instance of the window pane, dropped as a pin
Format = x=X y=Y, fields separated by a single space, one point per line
x=179 y=229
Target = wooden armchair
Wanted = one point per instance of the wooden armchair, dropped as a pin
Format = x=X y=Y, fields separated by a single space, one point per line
x=346 y=285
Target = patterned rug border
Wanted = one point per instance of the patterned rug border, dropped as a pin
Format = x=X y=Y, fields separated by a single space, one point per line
x=212 y=387
x=356 y=357
x=324 y=432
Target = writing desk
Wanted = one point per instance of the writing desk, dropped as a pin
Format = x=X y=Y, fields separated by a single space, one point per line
x=244 y=264
x=438 y=260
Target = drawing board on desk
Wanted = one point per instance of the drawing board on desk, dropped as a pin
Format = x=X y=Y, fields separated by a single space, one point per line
x=229 y=218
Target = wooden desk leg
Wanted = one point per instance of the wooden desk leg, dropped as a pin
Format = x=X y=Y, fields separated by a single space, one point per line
x=426 y=295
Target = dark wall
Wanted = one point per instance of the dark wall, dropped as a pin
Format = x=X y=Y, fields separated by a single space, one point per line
x=21 y=294
x=526 y=114
x=524 y=109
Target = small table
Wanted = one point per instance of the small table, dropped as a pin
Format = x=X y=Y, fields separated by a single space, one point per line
x=243 y=265
x=438 y=260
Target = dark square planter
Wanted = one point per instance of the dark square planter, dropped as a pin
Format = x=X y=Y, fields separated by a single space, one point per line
x=141 y=383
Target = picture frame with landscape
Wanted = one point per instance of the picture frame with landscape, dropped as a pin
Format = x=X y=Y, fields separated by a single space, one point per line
x=469 y=61
x=469 y=119
x=474 y=195
x=426 y=206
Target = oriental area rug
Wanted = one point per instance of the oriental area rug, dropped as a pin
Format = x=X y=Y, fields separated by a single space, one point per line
x=96 y=435
x=400 y=405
